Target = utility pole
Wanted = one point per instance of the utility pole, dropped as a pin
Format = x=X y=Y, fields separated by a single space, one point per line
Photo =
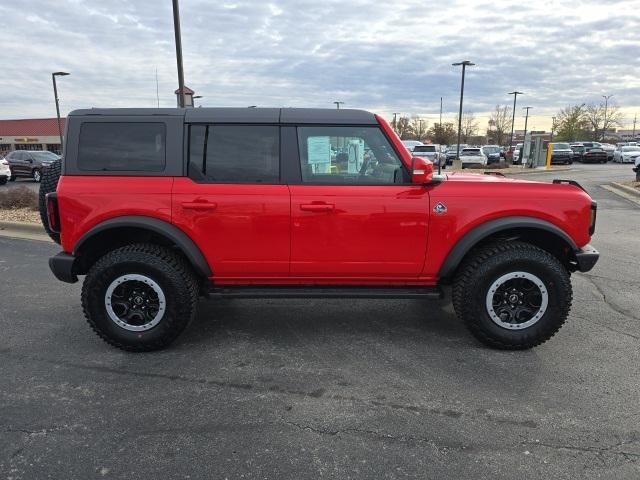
x=633 y=135
x=526 y=120
x=440 y=113
x=606 y=104
x=553 y=127
x=515 y=94
x=465 y=64
x=178 y=35
x=338 y=104
x=55 y=94
x=395 y=121
x=157 y=89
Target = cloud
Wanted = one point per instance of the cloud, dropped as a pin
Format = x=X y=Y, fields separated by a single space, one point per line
x=383 y=56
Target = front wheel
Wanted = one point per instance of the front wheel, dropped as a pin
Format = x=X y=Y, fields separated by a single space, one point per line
x=140 y=297
x=512 y=295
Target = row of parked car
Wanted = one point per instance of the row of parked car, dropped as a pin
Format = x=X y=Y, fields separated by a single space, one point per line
x=25 y=163
x=562 y=153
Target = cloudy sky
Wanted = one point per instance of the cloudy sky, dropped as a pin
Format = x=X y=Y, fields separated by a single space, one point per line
x=392 y=56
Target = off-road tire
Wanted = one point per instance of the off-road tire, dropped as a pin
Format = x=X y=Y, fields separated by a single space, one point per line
x=48 y=184
x=485 y=265
x=165 y=267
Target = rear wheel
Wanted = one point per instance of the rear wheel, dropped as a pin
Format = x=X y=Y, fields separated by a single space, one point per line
x=140 y=297
x=512 y=295
x=49 y=184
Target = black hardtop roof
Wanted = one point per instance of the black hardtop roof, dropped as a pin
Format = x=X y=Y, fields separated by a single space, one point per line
x=317 y=116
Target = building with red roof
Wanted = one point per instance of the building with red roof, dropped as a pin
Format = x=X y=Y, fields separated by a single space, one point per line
x=30 y=134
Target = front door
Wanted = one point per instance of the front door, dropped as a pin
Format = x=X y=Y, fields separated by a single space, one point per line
x=355 y=216
x=232 y=204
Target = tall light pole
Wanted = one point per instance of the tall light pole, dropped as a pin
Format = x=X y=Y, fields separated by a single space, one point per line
x=395 y=120
x=55 y=95
x=553 y=127
x=465 y=64
x=178 y=35
x=515 y=94
x=440 y=124
x=606 y=104
x=338 y=104
x=633 y=135
x=526 y=120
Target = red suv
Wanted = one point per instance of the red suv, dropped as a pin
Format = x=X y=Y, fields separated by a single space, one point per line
x=159 y=206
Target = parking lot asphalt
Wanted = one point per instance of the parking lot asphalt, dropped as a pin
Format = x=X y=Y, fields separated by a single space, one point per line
x=326 y=388
x=18 y=182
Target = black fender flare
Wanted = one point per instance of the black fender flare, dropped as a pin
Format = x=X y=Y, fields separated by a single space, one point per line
x=155 y=225
x=484 y=230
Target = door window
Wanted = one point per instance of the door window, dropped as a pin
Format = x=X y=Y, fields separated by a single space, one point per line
x=348 y=155
x=235 y=153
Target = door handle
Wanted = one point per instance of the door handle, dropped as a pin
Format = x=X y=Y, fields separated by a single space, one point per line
x=317 y=207
x=199 y=206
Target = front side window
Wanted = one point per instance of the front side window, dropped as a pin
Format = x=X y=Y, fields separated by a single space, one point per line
x=122 y=146
x=235 y=153
x=348 y=155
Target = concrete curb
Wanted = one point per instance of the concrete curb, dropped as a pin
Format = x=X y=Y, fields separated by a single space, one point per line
x=627 y=188
x=26 y=230
x=623 y=192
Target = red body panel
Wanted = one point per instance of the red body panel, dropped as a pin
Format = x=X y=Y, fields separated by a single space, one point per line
x=368 y=231
x=85 y=201
x=245 y=235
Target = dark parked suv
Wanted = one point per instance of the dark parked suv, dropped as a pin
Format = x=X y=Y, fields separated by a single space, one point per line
x=29 y=163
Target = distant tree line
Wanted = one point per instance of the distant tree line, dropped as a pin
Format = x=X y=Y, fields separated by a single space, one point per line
x=575 y=122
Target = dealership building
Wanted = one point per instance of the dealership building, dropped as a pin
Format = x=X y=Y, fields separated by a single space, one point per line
x=30 y=134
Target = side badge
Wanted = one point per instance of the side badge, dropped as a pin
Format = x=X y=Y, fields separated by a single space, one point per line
x=440 y=208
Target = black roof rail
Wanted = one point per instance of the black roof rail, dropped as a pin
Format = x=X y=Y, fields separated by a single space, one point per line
x=569 y=182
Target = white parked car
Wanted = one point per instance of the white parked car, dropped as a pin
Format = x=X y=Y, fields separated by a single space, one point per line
x=473 y=157
x=431 y=151
x=5 y=171
x=627 y=154
x=411 y=144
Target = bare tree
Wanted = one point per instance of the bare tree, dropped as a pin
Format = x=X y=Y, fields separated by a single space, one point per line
x=419 y=126
x=469 y=126
x=601 y=118
x=499 y=125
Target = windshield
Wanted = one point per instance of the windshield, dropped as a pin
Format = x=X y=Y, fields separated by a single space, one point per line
x=470 y=151
x=425 y=148
x=491 y=149
x=44 y=155
x=561 y=146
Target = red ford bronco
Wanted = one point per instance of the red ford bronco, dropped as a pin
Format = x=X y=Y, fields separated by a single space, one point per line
x=159 y=206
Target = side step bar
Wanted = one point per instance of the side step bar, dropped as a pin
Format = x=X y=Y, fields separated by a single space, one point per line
x=323 y=292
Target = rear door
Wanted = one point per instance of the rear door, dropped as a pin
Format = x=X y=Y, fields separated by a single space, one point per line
x=233 y=204
x=355 y=216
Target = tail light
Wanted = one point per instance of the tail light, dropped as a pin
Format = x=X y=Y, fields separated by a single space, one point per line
x=53 y=216
x=592 y=219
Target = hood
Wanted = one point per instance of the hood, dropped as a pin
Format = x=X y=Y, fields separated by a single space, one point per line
x=479 y=177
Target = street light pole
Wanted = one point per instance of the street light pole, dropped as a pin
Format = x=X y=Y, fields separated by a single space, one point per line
x=178 y=35
x=55 y=95
x=553 y=127
x=515 y=94
x=465 y=64
x=606 y=104
x=338 y=104
x=633 y=135
x=440 y=124
x=526 y=121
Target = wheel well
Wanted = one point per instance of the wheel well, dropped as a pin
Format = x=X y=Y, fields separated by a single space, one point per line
x=546 y=240
x=106 y=240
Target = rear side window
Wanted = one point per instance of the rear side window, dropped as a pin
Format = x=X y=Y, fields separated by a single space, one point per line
x=125 y=146
x=235 y=153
